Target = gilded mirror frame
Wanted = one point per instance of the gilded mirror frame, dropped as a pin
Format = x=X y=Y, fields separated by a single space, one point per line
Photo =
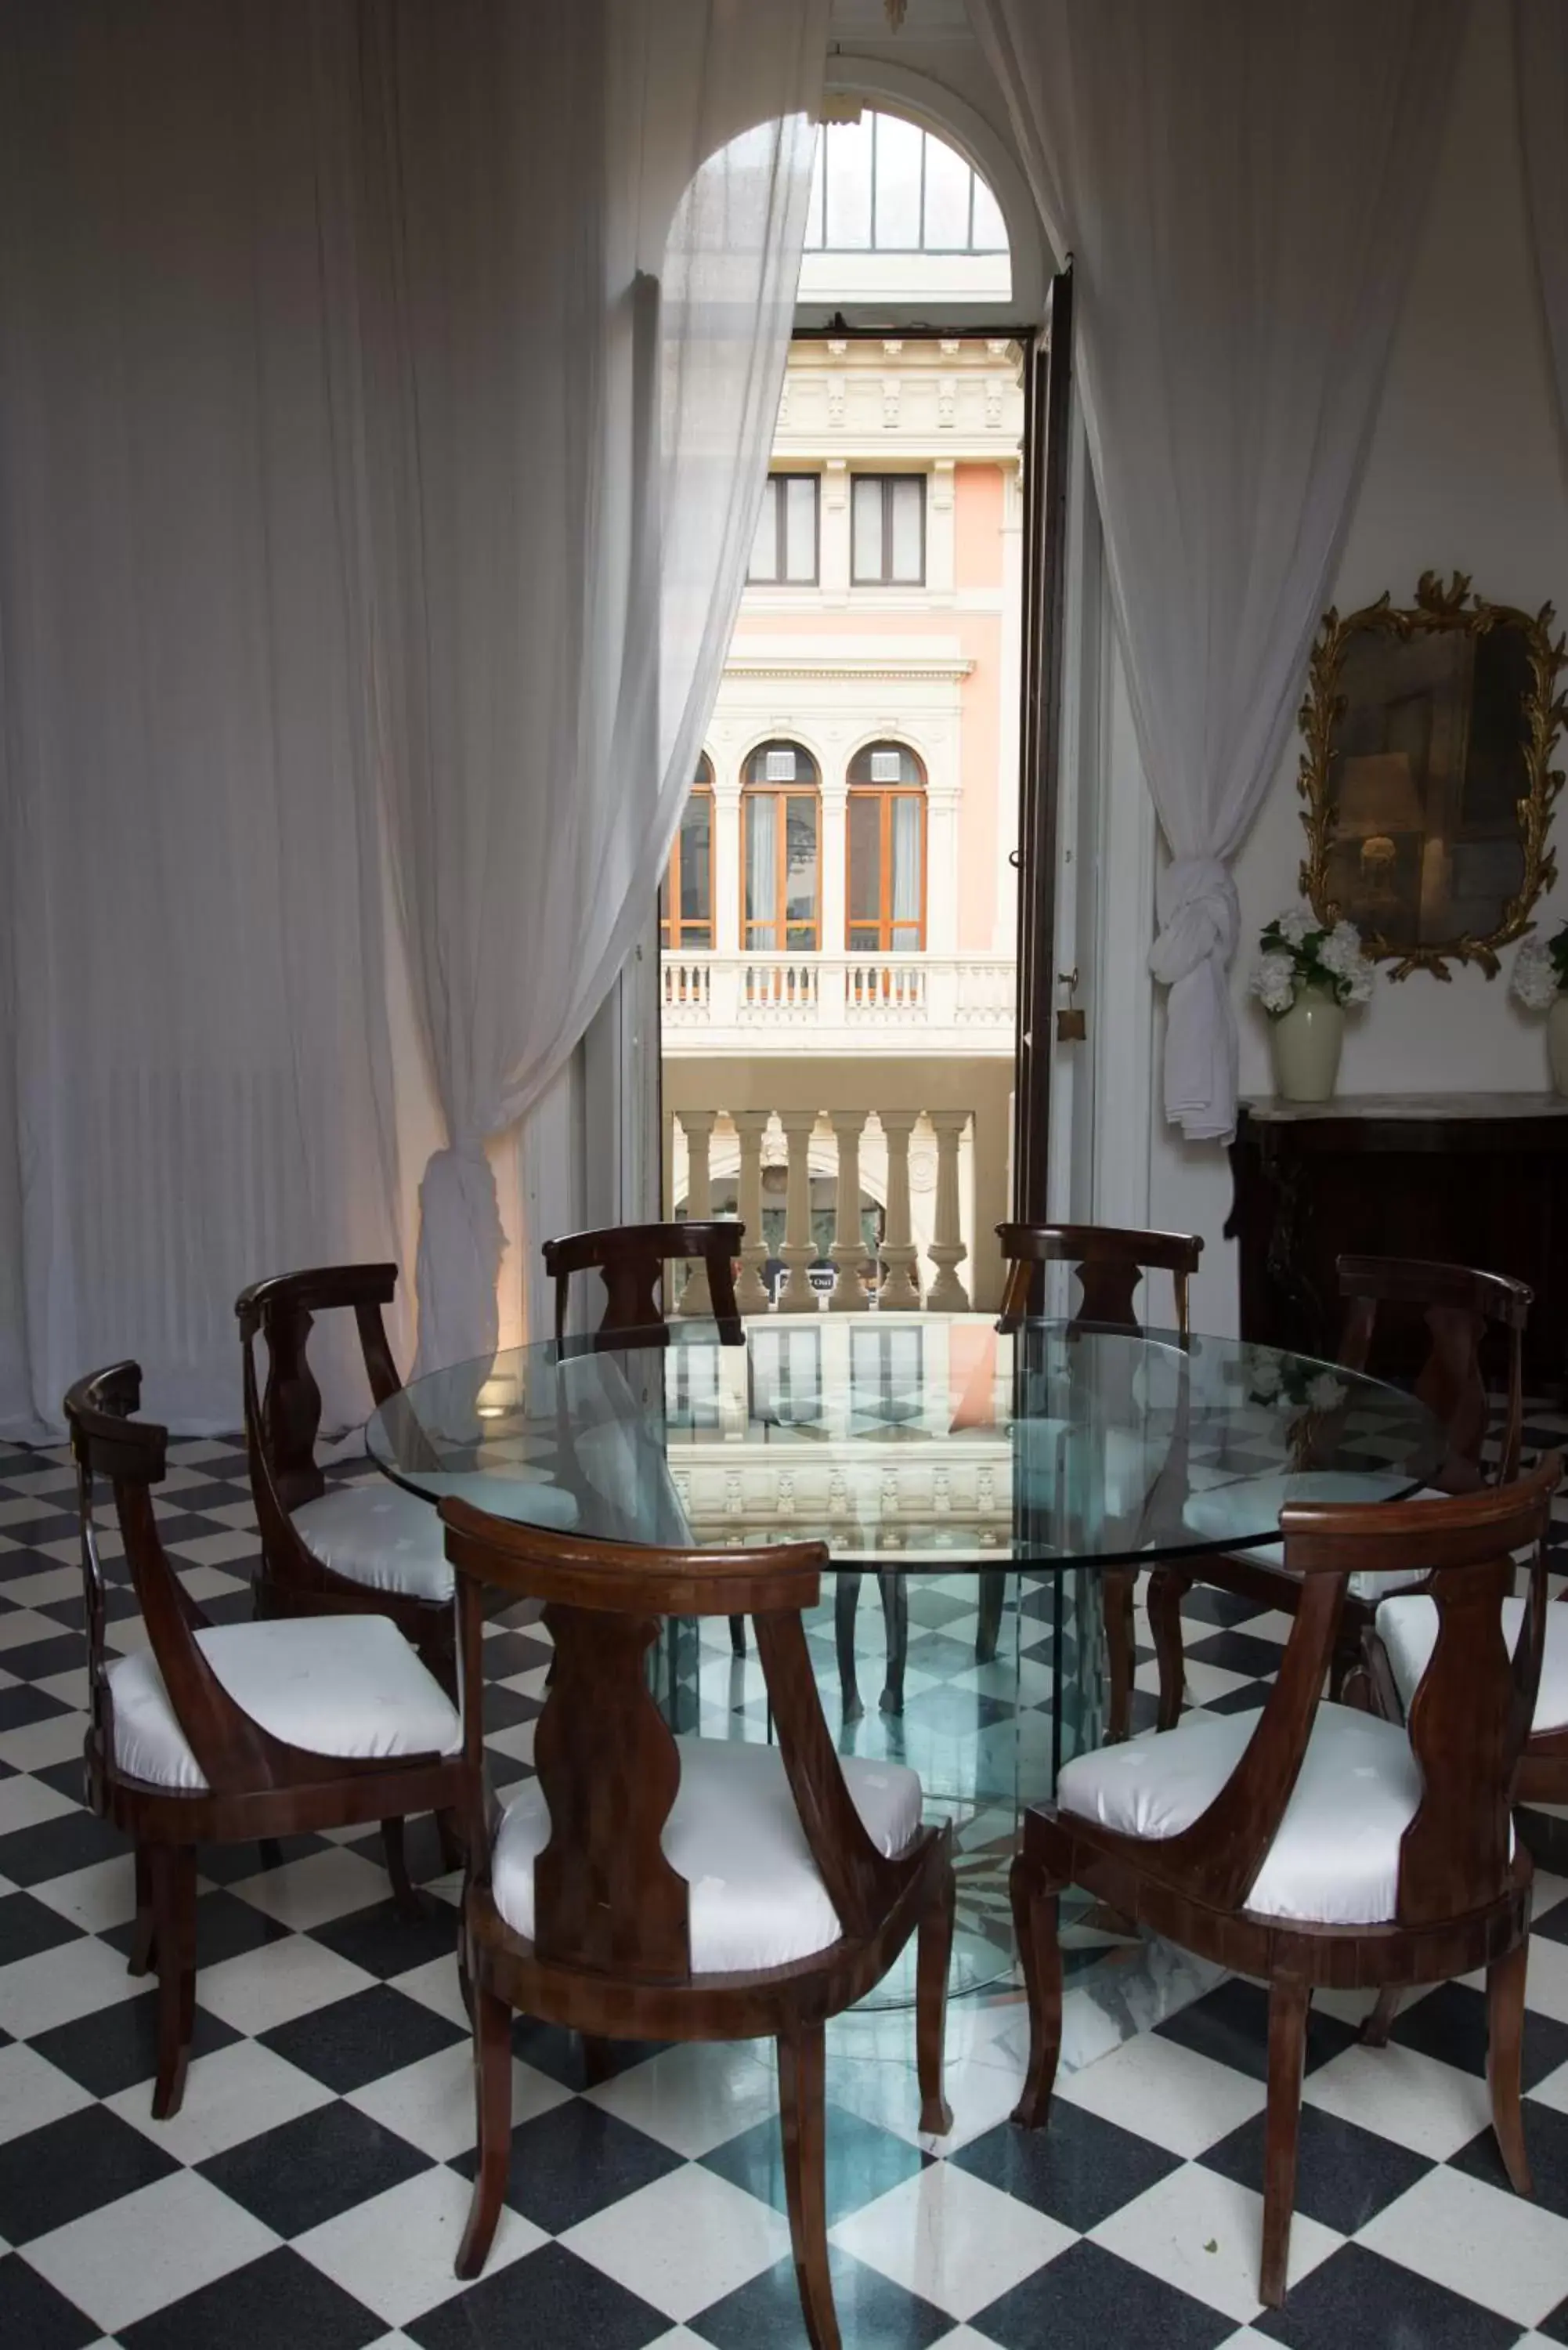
x=1438 y=607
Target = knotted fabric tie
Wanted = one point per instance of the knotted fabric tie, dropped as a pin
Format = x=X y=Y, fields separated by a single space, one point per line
x=458 y=1261
x=1199 y=923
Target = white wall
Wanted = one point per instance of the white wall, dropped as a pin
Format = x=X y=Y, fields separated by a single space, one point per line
x=1465 y=472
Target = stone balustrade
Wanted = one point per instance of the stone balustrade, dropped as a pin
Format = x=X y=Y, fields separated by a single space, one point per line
x=889 y=1003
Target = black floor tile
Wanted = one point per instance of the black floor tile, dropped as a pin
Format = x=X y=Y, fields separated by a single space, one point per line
x=227 y=1863
x=279 y=2303
x=1079 y=2168
x=384 y=1943
x=59 y=1651
x=21 y=1706
x=51 y=2176
x=874 y=2314
x=1356 y=2298
x=1089 y=2297
x=548 y=2297
x=571 y=2162
x=34 y=2316
x=863 y=2162
x=1206 y=1605
x=1231 y=2023
x=1450 y=2023
x=358 y=2039
x=307 y=2171
x=559 y=2055
x=55 y=1848
x=117 y=2046
x=1546 y=2149
x=225 y=1928
x=28 y=1927
x=1238 y=1652
x=1344 y=2175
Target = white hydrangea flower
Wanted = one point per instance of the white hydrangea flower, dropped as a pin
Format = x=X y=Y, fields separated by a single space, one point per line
x=1267 y=1375
x=1358 y=983
x=1341 y=950
x=1325 y=1393
x=1534 y=981
x=1296 y=923
x=1273 y=982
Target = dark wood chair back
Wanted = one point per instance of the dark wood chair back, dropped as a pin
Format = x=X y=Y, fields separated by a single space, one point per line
x=1462 y=1309
x=1109 y=1263
x=282 y=1420
x=606 y=1898
x=631 y=1260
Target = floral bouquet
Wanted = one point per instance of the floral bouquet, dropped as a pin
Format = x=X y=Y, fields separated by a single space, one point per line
x=1540 y=972
x=1273 y=1378
x=1298 y=953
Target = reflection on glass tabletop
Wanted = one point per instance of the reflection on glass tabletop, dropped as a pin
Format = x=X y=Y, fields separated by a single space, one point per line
x=919 y=1441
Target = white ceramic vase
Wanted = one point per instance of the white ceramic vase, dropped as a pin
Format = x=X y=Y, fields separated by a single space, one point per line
x=1557 y=1042
x=1306 y=1041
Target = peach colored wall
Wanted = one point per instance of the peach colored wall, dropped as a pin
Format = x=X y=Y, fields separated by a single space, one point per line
x=977 y=525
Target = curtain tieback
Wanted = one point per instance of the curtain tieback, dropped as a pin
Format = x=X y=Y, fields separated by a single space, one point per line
x=1199 y=917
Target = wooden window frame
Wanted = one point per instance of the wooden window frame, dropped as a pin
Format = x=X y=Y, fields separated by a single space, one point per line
x=672 y=926
x=884 y=923
x=775 y=489
x=884 y=579
x=778 y=922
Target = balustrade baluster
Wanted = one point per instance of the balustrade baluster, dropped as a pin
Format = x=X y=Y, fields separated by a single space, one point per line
x=751 y=1290
x=848 y=1241
x=699 y=1126
x=901 y=1289
x=947 y=1250
x=796 y=1294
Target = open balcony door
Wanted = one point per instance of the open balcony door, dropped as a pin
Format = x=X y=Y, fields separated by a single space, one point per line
x=1046 y=856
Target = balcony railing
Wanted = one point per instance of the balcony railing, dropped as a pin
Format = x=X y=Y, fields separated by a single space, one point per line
x=916 y=1003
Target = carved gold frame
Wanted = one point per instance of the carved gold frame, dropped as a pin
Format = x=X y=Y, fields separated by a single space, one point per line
x=1438 y=607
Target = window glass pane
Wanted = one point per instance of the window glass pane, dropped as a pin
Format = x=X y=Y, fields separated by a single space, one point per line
x=865 y=862
x=800 y=529
x=800 y=879
x=766 y=545
x=781 y=764
x=865 y=939
x=898 y=224
x=814 y=209
x=868 y=520
x=696 y=870
x=947 y=199
x=848 y=218
x=906 y=875
x=761 y=869
x=909 y=504
x=990 y=228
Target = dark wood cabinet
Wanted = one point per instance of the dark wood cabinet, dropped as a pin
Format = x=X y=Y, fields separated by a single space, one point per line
x=1465 y=1178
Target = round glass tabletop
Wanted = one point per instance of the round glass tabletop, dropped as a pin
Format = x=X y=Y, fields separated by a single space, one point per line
x=976 y=1484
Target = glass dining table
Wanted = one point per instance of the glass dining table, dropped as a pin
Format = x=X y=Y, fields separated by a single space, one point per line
x=977 y=1482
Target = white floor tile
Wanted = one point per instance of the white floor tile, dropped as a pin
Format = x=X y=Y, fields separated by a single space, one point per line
x=395 y=2252
x=40 y=1745
x=948 y=2237
x=435 y=1985
x=1546 y=1979
x=431 y=2104
x=57 y=1986
x=234 y=2095
x=684 y=2241
x=1204 y=2234
x=216 y=1549
x=1183 y=2101
x=26 y=1802
x=1553 y=2092
x=97 y=1897
x=962 y=2337
x=34 y=2092
x=692 y=2098
x=68 y=1688
x=19 y=1629
x=1482 y=2241
x=121 y=2262
x=1419 y=2102
x=312 y=1892
x=272 y=1985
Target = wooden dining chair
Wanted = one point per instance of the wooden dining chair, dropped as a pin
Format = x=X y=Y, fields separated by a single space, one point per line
x=1462 y=1309
x=653 y=1887
x=335 y=1550
x=1310 y=1844
x=223 y=1733
x=1109 y=1263
x=630 y=1260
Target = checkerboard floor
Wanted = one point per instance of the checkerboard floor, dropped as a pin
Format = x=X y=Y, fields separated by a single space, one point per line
x=310 y=2194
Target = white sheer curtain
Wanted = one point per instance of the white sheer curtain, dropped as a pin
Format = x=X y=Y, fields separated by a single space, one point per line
x=194 y=1086
x=1540 y=29
x=559 y=453
x=1240 y=183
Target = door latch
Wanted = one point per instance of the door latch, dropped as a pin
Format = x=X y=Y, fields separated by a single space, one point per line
x=1072 y=1022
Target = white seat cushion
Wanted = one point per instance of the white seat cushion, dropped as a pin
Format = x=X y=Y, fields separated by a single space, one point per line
x=756 y=1898
x=380 y=1536
x=1246 y=1503
x=339 y=1685
x=1335 y=1860
x=1408 y=1630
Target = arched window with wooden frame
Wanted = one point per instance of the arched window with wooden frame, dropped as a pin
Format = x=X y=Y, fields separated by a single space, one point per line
x=686 y=900
x=885 y=898
x=780 y=830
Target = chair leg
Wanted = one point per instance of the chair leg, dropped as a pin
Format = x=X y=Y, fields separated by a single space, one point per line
x=1375 y=2028
x=992 y=1598
x=143 y=1940
x=271 y=1852
x=493 y=2097
x=1505 y=2051
x=1035 y=1923
x=737 y=1636
x=802 y=2075
x=410 y=1906
x=597 y=2063
x=1289 y=2001
x=895 y=1592
x=1118 y=1584
x=845 y=1602
x=173 y=1875
x=1168 y=1587
x=933 y=1956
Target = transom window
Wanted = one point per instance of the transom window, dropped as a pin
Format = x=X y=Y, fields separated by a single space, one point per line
x=882 y=185
x=888 y=525
x=686 y=900
x=784 y=551
x=887 y=850
x=781 y=816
